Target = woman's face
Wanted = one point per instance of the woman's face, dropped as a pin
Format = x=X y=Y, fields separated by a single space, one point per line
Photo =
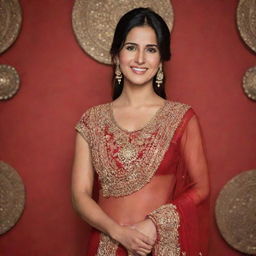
x=139 y=58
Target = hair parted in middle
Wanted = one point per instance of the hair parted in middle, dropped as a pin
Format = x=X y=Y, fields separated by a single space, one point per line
x=136 y=18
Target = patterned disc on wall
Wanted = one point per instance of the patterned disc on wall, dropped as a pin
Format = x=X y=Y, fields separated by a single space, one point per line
x=9 y=81
x=249 y=83
x=235 y=212
x=10 y=22
x=94 y=22
x=12 y=197
x=246 y=22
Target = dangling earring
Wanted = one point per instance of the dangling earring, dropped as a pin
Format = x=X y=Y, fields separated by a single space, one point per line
x=159 y=76
x=118 y=74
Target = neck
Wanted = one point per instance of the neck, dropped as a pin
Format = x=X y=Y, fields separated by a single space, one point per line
x=137 y=95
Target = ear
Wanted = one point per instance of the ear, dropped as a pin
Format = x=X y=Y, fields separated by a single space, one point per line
x=116 y=60
x=160 y=65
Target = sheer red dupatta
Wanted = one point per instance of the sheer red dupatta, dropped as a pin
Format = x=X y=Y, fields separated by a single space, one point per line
x=191 y=213
x=194 y=211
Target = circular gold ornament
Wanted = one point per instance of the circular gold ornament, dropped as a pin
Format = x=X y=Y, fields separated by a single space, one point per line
x=10 y=22
x=9 y=81
x=128 y=153
x=94 y=22
x=249 y=83
x=235 y=212
x=12 y=197
x=246 y=22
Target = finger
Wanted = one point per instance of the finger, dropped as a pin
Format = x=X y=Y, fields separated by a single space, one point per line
x=143 y=251
x=138 y=253
x=144 y=246
x=139 y=245
x=147 y=240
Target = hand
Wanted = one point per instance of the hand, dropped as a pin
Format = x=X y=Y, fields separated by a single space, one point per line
x=148 y=228
x=134 y=241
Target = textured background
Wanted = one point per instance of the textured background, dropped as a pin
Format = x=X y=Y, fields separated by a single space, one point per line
x=59 y=82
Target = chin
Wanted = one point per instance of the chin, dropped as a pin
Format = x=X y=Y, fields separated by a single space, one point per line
x=140 y=82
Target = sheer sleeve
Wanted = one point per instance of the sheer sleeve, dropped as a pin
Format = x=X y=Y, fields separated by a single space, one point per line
x=83 y=126
x=193 y=157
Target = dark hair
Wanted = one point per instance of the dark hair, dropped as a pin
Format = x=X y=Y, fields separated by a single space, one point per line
x=135 y=18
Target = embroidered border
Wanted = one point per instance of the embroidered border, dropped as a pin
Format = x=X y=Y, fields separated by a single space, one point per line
x=167 y=221
x=107 y=246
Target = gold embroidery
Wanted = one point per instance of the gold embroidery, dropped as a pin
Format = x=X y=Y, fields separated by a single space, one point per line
x=83 y=128
x=167 y=221
x=107 y=246
x=127 y=153
x=126 y=161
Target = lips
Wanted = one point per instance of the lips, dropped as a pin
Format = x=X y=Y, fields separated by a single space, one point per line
x=139 y=70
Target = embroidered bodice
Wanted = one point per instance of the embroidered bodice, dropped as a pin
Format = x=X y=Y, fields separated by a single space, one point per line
x=146 y=173
x=126 y=161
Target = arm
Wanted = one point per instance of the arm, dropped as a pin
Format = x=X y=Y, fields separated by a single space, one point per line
x=90 y=211
x=82 y=186
x=195 y=160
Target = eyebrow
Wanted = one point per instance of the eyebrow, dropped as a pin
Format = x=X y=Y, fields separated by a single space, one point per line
x=148 y=45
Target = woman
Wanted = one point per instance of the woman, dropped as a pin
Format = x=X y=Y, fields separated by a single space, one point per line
x=144 y=152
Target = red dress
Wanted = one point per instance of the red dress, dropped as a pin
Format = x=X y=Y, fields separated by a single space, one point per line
x=144 y=173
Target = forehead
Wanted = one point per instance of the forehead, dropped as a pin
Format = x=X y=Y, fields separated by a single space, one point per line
x=142 y=35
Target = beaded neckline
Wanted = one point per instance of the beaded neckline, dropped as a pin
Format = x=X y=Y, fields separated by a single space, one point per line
x=148 y=123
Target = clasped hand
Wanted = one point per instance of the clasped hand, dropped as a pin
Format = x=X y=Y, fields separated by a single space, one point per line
x=139 y=238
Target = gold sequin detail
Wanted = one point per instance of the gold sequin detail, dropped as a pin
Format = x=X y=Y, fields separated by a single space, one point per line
x=126 y=161
x=167 y=221
x=128 y=153
x=107 y=246
x=83 y=127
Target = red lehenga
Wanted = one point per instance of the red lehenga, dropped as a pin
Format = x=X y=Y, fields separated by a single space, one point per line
x=144 y=174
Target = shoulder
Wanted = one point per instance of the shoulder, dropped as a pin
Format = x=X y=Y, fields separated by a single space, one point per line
x=178 y=104
x=95 y=111
x=91 y=118
x=180 y=114
x=179 y=108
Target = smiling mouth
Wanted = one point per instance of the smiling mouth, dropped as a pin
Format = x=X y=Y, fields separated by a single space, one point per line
x=139 y=70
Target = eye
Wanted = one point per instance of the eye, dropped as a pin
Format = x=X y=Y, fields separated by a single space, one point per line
x=130 y=47
x=152 y=49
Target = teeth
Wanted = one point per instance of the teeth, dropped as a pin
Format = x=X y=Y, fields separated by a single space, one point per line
x=139 y=69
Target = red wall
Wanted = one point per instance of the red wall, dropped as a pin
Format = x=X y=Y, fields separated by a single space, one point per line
x=59 y=81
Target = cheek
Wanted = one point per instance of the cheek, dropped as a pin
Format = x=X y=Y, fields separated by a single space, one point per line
x=155 y=63
x=124 y=58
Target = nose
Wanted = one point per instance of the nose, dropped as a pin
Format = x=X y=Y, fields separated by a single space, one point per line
x=140 y=58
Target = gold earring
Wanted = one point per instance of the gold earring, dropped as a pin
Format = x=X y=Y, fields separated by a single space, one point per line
x=159 y=76
x=118 y=74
